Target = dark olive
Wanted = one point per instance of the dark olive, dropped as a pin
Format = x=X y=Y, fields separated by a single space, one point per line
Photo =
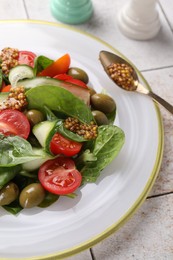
x=32 y=195
x=103 y=102
x=78 y=73
x=100 y=117
x=8 y=193
x=34 y=116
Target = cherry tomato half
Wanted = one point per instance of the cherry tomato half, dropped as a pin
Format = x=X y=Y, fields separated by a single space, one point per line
x=59 y=176
x=14 y=122
x=61 y=145
x=70 y=79
x=26 y=57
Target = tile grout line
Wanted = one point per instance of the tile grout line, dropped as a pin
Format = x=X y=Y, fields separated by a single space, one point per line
x=159 y=68
x=166 y=18
x=27 y=14
x=92 y=254
x=160 y=195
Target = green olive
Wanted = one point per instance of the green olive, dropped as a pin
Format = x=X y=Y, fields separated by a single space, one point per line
x=34 y=116
x=32 y=195
x=78 y=73
x=100 y=117
x=8 y=193
x=103 y=102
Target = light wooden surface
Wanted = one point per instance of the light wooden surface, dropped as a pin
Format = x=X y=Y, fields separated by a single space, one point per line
x=149 y=233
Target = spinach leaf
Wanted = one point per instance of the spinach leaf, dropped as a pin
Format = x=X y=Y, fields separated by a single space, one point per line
x=40 y=63
x=30 y=175
x=106 y=147
x=69 y=134
x=84 y=158
x=59 y=127
x=15 y=150
x=49 y=199
x=59 y=99
x=14 y=207
x=49 y=114
x=7 y=174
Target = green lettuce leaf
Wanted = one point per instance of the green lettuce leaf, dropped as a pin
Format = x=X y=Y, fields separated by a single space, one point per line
x=40 y=63
x=106 y=147
x=15 y=150
x=58 y=99
x=7 y=174
x=14 y=207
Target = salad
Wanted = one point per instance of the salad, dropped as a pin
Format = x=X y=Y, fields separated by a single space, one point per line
x=56 y=132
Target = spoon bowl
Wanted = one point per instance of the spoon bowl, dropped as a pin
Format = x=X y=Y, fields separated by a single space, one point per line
x=124 y=75
x=107 y=58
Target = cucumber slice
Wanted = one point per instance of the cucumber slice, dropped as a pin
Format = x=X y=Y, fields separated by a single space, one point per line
x=20 y=72
x=44 y=131
x=82 y=93
x=36 y=163
x=38 y=81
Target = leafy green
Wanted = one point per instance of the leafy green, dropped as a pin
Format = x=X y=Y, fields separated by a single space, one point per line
x=41 y=62
x=59 y=127
x=85 y=157
x=59 y=99
x=53 y=115
x=15 y=150
x=49 y=199
x=69 y=134
x=71 y=195
x=31 y=175
x=106 y=147
x=14 y=207
x=7 y=174
x=49 y=114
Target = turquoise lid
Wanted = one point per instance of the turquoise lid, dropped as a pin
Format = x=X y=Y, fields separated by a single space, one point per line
x=72 y=11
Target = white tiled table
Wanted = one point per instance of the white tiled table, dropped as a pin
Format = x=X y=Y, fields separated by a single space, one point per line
x=149 y=233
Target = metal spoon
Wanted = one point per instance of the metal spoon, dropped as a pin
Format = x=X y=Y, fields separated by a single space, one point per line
x=108 y=58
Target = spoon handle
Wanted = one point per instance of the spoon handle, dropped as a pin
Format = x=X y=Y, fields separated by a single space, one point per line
x=161 y=101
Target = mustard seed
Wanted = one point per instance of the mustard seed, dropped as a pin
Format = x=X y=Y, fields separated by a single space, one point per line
x=88 y=131
x=122 y=74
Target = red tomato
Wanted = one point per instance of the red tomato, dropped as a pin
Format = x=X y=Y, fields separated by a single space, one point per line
x=70 y=79
x=14 y=122
x=63 y=76
x=26 y=57
x=59 y=176
x=59 y=66
x=61 y=145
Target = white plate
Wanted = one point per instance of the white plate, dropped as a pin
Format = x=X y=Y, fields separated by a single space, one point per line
x=72 y=225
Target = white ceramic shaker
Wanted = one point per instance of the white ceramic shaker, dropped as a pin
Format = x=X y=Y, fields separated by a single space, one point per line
x=139 y=19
